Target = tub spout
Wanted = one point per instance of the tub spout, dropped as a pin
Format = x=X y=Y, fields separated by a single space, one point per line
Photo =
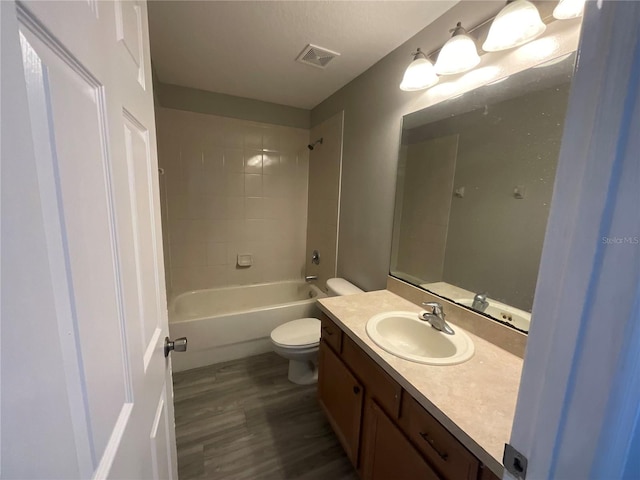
x=310 y=278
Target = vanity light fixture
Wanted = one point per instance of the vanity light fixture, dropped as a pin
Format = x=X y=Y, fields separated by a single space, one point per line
x=567 y=9
x=517 y=23
x=420 y=74
x=459 y=54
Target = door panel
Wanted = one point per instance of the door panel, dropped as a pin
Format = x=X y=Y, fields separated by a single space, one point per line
x=74 y=137
x=141 y=172
x=130 y=34
x=160 y=439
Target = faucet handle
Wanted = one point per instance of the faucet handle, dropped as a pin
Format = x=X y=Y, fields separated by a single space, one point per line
x=436 y=307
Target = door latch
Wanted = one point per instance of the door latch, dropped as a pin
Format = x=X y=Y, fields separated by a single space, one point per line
x=514 y=462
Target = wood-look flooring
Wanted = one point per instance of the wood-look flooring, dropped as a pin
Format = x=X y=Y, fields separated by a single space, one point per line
x=245 y=420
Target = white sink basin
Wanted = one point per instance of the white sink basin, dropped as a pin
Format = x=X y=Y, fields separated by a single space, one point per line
x=404 y=335
x=511 y=315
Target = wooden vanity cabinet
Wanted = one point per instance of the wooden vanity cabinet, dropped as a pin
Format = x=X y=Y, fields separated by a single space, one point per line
x=386 y=433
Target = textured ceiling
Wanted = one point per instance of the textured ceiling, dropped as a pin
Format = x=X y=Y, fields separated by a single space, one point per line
x=248 y=48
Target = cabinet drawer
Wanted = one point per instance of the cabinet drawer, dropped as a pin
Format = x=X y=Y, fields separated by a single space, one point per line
x=445 y=453
x=378 y=383
x=331 y=333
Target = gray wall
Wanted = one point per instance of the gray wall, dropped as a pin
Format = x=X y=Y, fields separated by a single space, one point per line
x=201 y=101
x=373 y=108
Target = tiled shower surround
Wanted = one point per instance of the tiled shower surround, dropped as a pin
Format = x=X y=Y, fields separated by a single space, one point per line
x=231 y=187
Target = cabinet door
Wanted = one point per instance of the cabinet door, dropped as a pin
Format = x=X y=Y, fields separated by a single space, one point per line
x=389 y=454
x=340 y=396
x=486 y=474
x=378 y=384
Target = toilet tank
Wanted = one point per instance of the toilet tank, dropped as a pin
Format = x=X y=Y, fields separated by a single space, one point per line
x=339 y=286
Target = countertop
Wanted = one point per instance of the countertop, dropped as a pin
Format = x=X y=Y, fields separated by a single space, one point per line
x=474 y=400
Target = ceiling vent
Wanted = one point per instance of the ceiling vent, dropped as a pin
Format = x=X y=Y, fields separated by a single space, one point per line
x=316 y=56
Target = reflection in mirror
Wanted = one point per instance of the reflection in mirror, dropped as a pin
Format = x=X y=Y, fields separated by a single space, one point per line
x=475 y=179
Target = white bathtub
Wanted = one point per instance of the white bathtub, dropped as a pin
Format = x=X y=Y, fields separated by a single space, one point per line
x=223 y=324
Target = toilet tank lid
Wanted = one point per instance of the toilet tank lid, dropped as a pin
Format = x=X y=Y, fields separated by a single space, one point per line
x=340 y=286
x=297 y=333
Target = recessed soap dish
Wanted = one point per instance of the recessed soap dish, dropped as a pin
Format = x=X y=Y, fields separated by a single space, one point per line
x=245 y=260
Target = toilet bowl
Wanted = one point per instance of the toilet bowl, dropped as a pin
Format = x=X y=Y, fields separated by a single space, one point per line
x=298 y=340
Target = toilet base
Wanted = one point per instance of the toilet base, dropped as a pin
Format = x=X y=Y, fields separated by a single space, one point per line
x=303 y=372
x=303 y=363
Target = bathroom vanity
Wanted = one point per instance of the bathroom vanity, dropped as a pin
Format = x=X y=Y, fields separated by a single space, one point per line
x=403 y=420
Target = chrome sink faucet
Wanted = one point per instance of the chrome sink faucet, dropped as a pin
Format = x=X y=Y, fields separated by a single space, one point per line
x=480 y=302
x=436 y=317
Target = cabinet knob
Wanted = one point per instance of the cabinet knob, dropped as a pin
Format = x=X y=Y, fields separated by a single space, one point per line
x=356 y=390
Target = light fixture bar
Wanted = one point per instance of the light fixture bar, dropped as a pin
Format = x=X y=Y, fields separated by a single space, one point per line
x=542 y=9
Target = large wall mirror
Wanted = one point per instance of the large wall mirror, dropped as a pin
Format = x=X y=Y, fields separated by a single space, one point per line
x=475 y=180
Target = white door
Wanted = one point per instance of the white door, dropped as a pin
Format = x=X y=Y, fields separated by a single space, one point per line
x=86 y=389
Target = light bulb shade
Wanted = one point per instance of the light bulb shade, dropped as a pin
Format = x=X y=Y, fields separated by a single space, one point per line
x=458 y=55
x=517 y=23
x=567 y=9
x=419 y=75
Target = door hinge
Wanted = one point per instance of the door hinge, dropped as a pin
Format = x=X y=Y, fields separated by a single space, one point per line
x=514 y=462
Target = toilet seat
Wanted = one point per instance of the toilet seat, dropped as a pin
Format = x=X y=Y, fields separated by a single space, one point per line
x=297 y=334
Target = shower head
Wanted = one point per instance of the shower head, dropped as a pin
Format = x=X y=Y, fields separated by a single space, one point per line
x=311 y=145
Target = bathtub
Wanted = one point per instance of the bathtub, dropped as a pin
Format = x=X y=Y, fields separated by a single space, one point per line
x=224 y=324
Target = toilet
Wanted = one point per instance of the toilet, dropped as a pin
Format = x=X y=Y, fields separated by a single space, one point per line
x=298 y=340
